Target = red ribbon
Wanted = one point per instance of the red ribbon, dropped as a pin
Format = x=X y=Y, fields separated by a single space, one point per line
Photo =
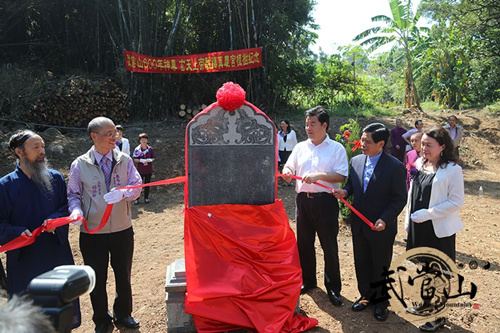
x=354 y=210
x=180 y=179
x=25 y=240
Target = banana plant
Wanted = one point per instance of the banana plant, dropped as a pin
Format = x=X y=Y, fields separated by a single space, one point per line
x=403 y=32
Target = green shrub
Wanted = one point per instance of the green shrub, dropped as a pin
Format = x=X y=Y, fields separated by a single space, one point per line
x=495 y=107
x=349 y=135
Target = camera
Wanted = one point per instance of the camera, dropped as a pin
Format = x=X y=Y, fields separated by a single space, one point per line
x=55 y=290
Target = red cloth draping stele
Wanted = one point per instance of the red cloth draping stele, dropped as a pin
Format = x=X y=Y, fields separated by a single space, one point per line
x=242 y=265
x=243 y=269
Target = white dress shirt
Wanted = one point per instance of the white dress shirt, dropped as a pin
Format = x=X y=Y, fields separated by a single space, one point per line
x=328 y=156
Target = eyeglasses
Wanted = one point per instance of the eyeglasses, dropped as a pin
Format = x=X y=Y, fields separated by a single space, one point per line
x=108 y=134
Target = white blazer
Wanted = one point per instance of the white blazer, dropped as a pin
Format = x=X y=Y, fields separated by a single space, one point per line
x=125 y=147
x=447 y=197
x=291 y=141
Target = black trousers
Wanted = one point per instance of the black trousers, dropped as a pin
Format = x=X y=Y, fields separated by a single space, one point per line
x=284 y=155
x=145 y=180
x=97 y=249
x=318 y=216
x=370 y=256
x=423 y=235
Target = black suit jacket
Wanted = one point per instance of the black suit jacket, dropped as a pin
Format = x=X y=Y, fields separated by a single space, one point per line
x=385 y=195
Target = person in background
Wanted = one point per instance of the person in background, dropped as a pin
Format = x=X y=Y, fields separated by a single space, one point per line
x=93 y=179
x=412 y=156
x=436 y=196
x=122 y=143
x=144 y=156
x=418 y=128
x=377 y=182
x=29 y=195
x=456 y=133
x=287 y=139
x=318 y=159
x=398 y=144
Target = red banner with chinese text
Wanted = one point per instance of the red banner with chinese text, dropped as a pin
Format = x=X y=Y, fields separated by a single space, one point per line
x=195 y=63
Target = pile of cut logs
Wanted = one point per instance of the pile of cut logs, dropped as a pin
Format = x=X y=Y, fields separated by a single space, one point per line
x=189 y=112
x=74 y=101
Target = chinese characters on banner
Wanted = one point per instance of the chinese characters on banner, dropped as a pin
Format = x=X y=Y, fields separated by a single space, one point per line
x=195 y=63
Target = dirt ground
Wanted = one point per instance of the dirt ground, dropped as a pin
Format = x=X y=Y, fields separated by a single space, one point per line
x=158 y=227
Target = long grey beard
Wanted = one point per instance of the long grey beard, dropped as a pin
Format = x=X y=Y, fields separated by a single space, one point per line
x=40 y=174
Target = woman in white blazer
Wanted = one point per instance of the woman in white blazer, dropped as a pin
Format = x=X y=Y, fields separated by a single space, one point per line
x=287 y=139
x=122 y=143
x=435 y=197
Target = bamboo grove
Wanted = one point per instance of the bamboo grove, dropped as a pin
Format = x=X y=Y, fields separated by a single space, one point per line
x=90 y=36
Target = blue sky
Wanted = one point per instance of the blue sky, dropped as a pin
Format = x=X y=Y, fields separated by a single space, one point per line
x=340 y=20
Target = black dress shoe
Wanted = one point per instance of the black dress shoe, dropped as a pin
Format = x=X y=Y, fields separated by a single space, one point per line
x=423 y=310
x=127 y=322
x=433 y=326
x=103 y=327
x=380 y=314
x=360 y=304
x=305 y=288
x=336 y=299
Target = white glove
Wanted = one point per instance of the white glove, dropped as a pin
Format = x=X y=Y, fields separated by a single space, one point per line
x=417 y=217
x=149 y=160
x=114 y=196
x=143 y=160
x=75 y=214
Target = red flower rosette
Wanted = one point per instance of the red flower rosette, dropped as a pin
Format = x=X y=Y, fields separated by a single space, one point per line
x=230 y=96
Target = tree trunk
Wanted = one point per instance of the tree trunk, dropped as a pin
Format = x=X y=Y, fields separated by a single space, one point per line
x=411 y=95
x=168 y=51
x=230 y=25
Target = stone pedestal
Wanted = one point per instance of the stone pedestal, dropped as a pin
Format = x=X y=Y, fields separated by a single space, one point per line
x=175 y=287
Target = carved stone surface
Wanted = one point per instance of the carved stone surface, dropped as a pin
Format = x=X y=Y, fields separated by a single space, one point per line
x=210 y=131
x=231 y=158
